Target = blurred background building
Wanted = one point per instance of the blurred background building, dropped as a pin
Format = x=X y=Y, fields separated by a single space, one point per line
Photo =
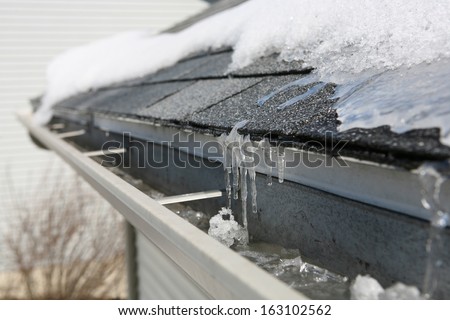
x=32 y=32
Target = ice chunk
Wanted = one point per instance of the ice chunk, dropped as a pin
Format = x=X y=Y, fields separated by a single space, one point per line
x=225 y=229
x=432 y=177
x=365 y=288
x=400 y=291
x=406 y=98
x=197 y=218
x=288 y=266
x=293 y=265
x=368 y=288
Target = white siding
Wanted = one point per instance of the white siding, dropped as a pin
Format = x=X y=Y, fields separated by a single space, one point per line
x=34 y=31
x=159 y=277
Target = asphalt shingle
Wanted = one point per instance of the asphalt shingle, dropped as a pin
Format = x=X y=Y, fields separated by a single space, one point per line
x=197 y=97
x=197 y=93
x=313 y=114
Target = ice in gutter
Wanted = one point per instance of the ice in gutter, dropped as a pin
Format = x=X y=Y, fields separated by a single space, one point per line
x=239 y=162
x=432 y=178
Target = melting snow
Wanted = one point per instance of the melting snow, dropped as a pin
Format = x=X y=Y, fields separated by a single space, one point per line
x=367 y=288
x=405 y=99
x=339 y=38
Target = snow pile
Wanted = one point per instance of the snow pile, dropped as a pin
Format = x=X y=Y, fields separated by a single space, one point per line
x=367 y=288
x=400 y=291
x=336 y=37
x=225 y=229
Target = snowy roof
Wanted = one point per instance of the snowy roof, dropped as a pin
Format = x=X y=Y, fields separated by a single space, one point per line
x=388 y=113
x=198 y=94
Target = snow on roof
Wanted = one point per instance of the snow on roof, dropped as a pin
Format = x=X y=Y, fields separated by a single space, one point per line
x=340 y=39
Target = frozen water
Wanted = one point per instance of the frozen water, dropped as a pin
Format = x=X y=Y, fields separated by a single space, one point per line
x=285 y=264
x=264 y=145
x=432 y=182
x=252 y=175
x=339 y=38
x=238 y=158
x=225 y=229
x=400 y=291
x=365 y=288
x=281 y=165
x=310 y=92
x=406 y=98
x=227 y=166
x=288 y=266
x=232 y=146
x=243 y=173
x=432 y=177
x=368 y=288
x=196 y=218
x=291 y=85
x=234 y=155
x=304 y=81
x=228 y=186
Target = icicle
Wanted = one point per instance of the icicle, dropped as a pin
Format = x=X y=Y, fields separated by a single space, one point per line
x=267 y=154
x=235 y=169
x=234 y=142
x=252 y=175
x=249 y=163
x=271 y=166
x=238 y=164
x=281 y=165
x=432 y=181
x=226 y=158
x=231 y=156
x=244 y=196
x=228 y=186
x=269 y=176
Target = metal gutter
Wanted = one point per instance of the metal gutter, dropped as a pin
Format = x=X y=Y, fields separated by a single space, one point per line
x=388 y=187
x=190 y=197
x=219 y=271
x=131 y=256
